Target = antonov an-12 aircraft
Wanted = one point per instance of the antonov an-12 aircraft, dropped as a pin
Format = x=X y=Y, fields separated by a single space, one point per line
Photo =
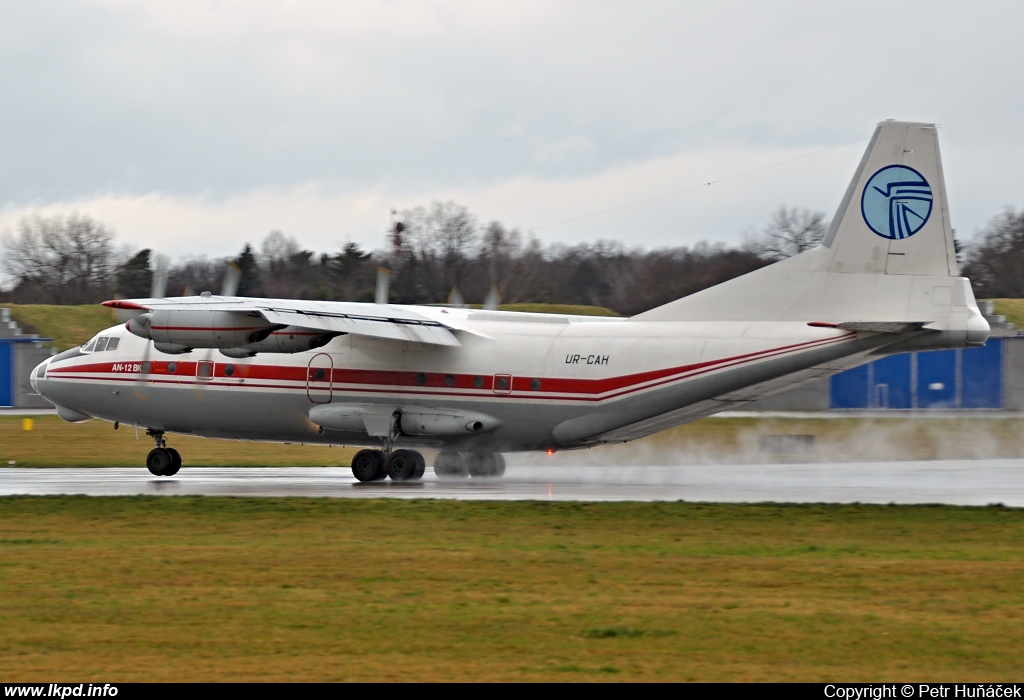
x=474 y=384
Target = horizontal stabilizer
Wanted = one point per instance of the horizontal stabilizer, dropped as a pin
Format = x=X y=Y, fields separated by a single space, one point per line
x=874 y=326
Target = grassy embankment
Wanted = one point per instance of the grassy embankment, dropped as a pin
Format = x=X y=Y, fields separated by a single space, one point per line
x=73 y=325
x=118 y=589
x=1013 y=309
x=54 y=443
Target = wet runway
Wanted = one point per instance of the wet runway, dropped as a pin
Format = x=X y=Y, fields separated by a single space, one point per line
x=959 y=482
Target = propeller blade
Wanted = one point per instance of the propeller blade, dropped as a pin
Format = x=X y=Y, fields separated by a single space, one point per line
x=232 y=276
x=383 y=285
x=158 y=290
x=455 y=299
x=493 y=299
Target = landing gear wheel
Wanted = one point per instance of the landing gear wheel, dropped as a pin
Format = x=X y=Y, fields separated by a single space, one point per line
x=402 y=465
x=367 y=465
x=160 y=462
x=450 y=465
x=175 y=462
x=421 y=466
x=489 y=464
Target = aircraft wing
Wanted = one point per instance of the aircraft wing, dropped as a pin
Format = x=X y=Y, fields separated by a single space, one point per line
x=388 y=321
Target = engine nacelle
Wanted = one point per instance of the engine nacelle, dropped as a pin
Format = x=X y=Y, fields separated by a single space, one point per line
x=289 y=339
x=201 y=329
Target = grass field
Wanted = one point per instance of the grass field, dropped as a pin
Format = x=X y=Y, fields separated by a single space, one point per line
x=192 y=589
x=54 y=443
x=1013 y=309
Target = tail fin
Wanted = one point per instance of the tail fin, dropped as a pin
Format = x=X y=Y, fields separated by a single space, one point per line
x=887 y=256
x=894 y=218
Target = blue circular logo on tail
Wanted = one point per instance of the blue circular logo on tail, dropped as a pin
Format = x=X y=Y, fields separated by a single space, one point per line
x=897 y=202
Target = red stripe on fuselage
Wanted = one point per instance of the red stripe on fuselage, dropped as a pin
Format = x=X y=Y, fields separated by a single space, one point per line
x=365 y=380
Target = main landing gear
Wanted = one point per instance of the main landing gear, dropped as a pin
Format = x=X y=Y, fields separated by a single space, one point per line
x=162 y=460
x=409 y=465
x=456 y=465
x=401 y=465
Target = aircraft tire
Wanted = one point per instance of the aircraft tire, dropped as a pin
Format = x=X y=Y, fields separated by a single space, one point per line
x=500 y=462
x=175 y=462
x=366 y=465
x=484 y=465
x=450 y=465
x=159 y=461
x=402 y=465
x=421 y=465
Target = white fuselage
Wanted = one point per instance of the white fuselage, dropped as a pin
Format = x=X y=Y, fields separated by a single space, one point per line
x=547 y=381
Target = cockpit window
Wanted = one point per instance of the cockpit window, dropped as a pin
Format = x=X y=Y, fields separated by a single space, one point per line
x=101 y=343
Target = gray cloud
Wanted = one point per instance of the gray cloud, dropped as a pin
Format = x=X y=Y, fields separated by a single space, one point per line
x=217 y=101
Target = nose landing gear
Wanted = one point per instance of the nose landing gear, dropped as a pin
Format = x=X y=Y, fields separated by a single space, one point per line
x=162 y=460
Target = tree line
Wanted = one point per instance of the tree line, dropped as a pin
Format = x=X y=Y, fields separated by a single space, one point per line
x=434 y=250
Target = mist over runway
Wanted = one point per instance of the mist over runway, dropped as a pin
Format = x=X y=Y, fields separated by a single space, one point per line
x=952 y=482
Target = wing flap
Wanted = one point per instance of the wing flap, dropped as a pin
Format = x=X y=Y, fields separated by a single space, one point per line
x=407 y=329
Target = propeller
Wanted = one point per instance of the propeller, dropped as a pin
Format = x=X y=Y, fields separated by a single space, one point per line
x=157 y=289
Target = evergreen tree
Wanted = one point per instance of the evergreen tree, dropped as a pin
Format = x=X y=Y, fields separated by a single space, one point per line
x=249 y=284
x=135 y=278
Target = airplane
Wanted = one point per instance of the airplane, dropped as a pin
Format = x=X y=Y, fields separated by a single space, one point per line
x=475 y=384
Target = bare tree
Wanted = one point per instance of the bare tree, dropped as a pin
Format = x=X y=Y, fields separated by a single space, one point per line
x=789 y=232
x=438 y=245
x=60 y=261
x=995 y=261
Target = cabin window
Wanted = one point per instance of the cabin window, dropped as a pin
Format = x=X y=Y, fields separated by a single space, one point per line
x=478 y=382
x=535 y=384
x=172 y=367
x=230 y=370
x=449 y=380
x=204 y=369
x=101 y=344
x=421 y=379
x=502 y=383
x=89 y=346
x=112 y=343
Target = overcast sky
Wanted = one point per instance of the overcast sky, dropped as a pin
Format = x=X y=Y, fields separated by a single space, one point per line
x=193 y=127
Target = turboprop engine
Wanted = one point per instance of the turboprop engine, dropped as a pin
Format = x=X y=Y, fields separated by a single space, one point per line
x=234 y=334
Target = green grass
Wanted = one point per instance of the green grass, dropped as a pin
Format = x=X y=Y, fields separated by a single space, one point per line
x=571 y=309
x=69 y=326
x=54 y=443
x=1013 y=309
x=192 y=589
